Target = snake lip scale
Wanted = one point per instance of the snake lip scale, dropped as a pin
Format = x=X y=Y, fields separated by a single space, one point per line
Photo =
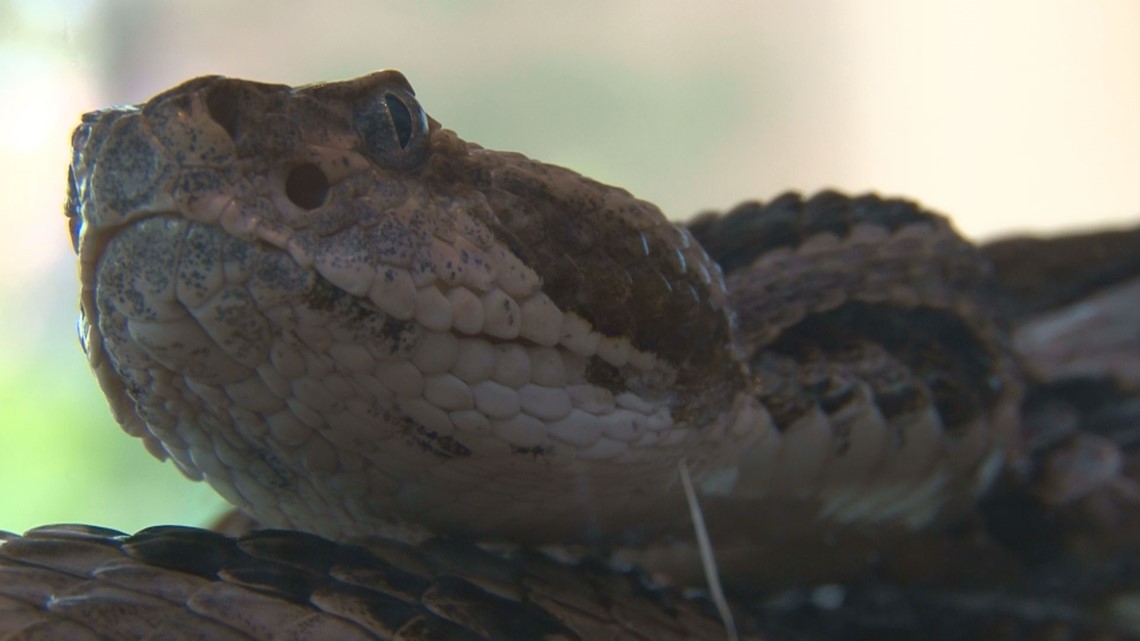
x=351 y=322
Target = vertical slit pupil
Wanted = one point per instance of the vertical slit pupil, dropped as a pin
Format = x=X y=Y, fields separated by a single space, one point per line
x=401 y=119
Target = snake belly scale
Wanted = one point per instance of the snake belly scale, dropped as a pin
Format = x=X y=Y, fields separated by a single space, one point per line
x=350 y=322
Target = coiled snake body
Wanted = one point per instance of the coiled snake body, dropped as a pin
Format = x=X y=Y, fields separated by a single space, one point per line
x=352 y=323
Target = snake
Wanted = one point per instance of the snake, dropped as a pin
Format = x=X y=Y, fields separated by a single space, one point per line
x=413 y=362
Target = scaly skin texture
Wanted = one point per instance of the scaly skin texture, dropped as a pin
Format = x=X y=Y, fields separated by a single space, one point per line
x=350 y=322
x=79 y=583
x=351 y=329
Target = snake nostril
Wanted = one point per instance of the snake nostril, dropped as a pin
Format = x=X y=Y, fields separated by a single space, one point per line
x=307 y=186
x=74 y=217
x=74 y=226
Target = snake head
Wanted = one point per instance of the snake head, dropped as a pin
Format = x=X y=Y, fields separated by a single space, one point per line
x=346 y=318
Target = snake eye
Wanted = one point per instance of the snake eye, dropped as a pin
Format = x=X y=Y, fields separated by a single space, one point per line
x=393 y=128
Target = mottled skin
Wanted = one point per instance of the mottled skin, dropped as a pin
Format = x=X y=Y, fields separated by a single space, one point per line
x=349 y=321
x=79 y=583
x=281 y=291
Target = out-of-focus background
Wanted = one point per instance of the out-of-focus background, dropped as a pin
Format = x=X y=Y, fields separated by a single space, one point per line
x=1010 y=116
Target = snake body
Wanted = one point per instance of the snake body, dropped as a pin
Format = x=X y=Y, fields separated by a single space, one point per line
x=352 y=323
x=349 y=321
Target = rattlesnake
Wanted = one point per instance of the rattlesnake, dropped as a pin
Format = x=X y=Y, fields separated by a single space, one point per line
x=352 y=323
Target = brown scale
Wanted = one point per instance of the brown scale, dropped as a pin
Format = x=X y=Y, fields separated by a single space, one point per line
x=933 y=346
x=899 y=316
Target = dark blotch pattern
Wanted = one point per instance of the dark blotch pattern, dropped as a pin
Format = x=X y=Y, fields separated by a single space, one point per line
x=618 y=263
x=907 y=356
x=753 y=228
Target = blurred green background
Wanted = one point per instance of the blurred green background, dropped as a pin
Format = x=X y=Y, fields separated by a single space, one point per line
x=1008 y=115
